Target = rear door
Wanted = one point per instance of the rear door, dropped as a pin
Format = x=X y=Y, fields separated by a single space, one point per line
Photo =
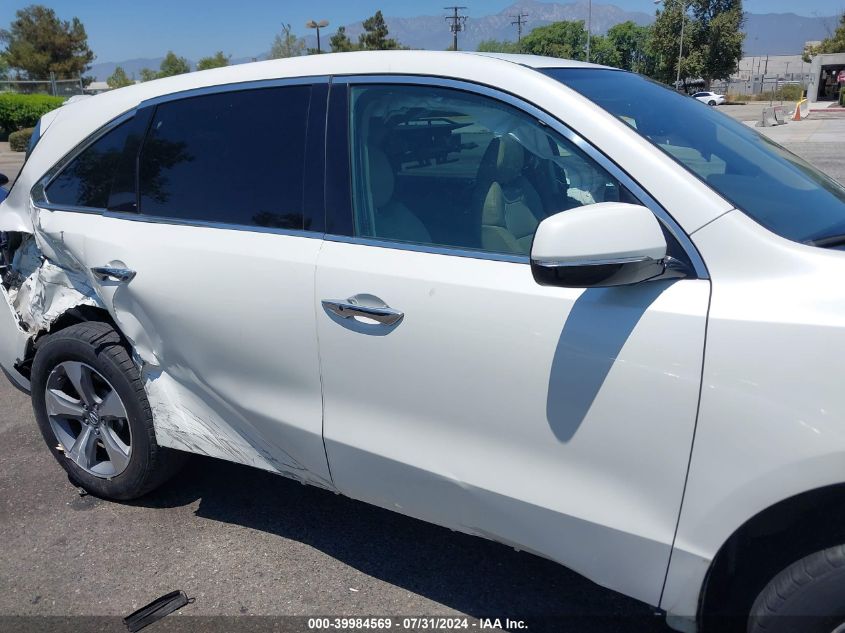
x=217 y=229
x=556 y=420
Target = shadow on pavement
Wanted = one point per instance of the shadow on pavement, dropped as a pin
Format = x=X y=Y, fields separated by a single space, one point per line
x=479 y=578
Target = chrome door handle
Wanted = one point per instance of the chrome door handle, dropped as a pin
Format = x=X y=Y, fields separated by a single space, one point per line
x=109 y=273
x=348 y=308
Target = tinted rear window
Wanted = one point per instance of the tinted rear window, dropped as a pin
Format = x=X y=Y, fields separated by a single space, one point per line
x=770 y=184
x=231 y=157
x=86 y=181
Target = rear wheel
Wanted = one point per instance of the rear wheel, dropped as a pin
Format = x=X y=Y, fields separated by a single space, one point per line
x=806 y=597
x=93 y=413
x=711 y=102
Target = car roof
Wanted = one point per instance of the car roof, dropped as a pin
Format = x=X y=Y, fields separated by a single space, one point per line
x=540 y=61
x=490 y=68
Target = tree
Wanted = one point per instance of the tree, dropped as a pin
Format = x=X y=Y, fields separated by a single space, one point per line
x=374 y=37
x=497 y=46
x=218 y=60
x=38 y=43
x=603 y=51
x=712 y=39
x=560 y=39
x=287 y=44
x=631 y=43
x=340 y=42
x=172 y=65
x=119 y=79
x=833 y=44
x=4 y=67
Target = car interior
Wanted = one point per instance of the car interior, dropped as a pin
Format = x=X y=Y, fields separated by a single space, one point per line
x=462 y=171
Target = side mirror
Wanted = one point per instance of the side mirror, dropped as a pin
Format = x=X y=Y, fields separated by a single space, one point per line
x=606 y=244
x=3 y=179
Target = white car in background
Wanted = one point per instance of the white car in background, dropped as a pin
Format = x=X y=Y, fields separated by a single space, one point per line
x=544 y=302
x=710 y=98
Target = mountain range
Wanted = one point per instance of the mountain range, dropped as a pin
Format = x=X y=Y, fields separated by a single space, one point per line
x=766 y=34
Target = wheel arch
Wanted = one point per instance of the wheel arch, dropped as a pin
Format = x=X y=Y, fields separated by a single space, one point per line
x=765 y=544
x=72 y=316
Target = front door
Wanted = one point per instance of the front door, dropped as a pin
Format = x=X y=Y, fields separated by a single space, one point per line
x=459 y=391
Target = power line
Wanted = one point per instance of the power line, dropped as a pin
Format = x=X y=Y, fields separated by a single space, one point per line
x=457 y=23
x=519 y=22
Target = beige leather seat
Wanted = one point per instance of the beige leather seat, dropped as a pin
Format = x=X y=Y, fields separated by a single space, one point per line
x=511 y=208
x=393 y=220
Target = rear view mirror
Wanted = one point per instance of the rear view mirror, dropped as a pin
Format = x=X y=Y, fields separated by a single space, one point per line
x=3 y=179
x=606 y=244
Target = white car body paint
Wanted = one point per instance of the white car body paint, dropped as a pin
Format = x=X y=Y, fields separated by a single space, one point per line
x=770 y=421
x=431 y=421
x=576 y=235
x=513 y=430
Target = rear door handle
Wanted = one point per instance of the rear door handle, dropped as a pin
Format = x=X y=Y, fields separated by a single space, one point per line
x=348 y=308
x=110 y=273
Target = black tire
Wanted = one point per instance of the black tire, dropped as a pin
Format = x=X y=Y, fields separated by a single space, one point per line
x=711 y=103
x=806 y=597
x=99 y=346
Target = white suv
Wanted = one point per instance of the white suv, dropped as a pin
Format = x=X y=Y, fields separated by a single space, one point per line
x=516 y=296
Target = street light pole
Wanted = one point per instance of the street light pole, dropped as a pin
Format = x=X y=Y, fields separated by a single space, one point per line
x=313 y=24
x=589 y=25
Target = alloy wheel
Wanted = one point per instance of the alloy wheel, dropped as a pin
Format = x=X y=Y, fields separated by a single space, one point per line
x=88 y=419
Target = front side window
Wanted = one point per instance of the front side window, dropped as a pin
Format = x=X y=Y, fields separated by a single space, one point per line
x=445 y=167
x=776 y=188
x=87 y=180
x=230 y=157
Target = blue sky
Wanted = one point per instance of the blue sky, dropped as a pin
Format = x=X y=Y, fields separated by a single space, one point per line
x=126 y=29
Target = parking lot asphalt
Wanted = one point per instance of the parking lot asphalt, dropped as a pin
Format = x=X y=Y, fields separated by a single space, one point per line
x=245 y=542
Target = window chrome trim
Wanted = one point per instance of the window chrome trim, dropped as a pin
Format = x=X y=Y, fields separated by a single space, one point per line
x=234 y=87
x=429 y=248
x=206 y=224
x=547 y=119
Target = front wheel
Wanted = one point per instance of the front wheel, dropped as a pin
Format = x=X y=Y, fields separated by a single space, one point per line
x=92 y=410
x=806 y=597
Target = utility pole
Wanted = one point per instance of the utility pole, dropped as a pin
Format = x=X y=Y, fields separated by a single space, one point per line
x=589 y=26
x=519 y=21
x=457 y=23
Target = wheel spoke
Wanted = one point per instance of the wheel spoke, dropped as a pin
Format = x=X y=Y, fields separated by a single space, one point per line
x=117 y=451
x=111 y=406
x=84 y=449
x=63 y=405
x=81 y=379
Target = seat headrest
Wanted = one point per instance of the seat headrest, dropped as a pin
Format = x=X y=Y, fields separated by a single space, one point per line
x=510 y=158
x=382 y=179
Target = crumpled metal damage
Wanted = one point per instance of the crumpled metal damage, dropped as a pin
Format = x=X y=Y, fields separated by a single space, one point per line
x=51 y=281
x=48 y=290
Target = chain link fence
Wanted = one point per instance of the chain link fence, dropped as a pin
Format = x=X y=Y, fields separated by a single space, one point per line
x=55 y=87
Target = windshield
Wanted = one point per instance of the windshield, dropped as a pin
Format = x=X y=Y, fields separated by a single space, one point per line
x=776 y=188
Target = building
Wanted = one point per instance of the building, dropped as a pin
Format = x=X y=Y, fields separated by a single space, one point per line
x=825 y=74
